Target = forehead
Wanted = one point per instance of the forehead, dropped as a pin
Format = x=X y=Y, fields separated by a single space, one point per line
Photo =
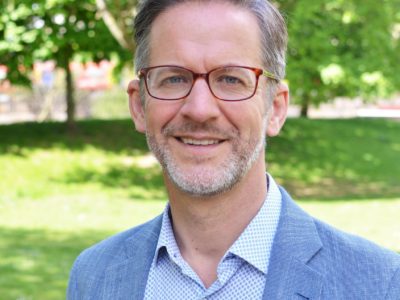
x=205 y=32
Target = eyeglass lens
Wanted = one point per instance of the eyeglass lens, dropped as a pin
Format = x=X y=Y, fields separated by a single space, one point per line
x=227 y=83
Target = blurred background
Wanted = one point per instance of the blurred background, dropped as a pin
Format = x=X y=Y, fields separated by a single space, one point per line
x=74 y=171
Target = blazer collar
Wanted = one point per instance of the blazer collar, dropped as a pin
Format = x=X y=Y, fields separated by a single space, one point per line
x=296 y=243
x=127 y=279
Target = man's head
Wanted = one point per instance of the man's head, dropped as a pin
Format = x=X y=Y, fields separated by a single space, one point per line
x=206 y=144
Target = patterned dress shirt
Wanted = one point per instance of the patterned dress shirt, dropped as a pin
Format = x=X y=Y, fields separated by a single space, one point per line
x=242 y=271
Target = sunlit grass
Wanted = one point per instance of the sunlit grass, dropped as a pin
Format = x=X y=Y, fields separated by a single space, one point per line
x=356 y=158
x=75 y=213
x=375 y=219
x=40 y=239
x=41 y=173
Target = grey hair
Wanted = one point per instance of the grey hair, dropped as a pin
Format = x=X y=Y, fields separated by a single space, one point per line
x=272 y=28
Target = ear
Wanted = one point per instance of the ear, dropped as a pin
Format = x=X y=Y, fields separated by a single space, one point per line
x=278 y=110
x=136 y=107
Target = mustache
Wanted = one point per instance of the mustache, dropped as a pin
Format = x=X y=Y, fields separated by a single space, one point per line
x=192 y=127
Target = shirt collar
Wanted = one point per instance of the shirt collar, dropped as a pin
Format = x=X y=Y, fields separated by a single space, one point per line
x=166 y=240
x=253 y=245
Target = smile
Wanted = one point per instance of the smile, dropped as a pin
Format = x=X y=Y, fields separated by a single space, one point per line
x=195 y=142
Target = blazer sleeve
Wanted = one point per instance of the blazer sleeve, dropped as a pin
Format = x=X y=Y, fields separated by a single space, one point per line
x=73 y=290
x=394 y=287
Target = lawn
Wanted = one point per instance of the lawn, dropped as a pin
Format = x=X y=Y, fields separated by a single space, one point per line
x=62 y=192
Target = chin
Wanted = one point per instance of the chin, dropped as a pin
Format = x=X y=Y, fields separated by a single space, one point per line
x=204 y=183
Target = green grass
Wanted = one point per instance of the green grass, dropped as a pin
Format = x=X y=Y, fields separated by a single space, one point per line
x=376 y=219
x=61 y=192
x=331 y=159
x=40 y=239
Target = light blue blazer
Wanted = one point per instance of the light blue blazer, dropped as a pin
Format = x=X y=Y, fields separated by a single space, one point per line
x=309 y=260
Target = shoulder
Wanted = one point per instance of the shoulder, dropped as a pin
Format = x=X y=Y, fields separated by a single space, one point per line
x=354 y=250
x=354 y=263
x=135 y=244
x=352 y=267
x=335 y=244
x=115 y=247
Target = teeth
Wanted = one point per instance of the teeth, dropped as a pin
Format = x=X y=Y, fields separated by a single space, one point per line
x=199 y=142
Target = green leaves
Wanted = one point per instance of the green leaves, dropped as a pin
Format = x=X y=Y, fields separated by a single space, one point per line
x=336 y=47
x=41 y=29
x=342 y=48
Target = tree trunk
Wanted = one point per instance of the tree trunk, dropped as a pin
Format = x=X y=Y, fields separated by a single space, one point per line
x=70 y=97
x=69 y=88
x=305 y=103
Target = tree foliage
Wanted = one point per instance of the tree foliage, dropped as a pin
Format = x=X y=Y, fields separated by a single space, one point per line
x=336 y=48
x=56 y=30
x=345 y=48
x=119 y=16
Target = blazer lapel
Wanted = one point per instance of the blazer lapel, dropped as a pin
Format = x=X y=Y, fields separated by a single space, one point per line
x=127 y=280
x=296 y=243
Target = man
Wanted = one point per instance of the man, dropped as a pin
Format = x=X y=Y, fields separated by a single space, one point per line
x=208 y=93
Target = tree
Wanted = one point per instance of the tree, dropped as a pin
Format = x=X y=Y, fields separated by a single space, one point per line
x=342 y=48
x=336 y=47
x=119 y=17
x=53 y=29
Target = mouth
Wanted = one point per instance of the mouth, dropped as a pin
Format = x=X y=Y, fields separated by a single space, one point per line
x=199 y=142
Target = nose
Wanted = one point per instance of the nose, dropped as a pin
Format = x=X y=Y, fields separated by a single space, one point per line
x=200 y=105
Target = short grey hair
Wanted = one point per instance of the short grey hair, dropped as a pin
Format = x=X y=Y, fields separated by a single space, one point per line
x=273 y=32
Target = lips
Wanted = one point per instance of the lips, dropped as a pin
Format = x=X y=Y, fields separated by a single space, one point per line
x=199 y=142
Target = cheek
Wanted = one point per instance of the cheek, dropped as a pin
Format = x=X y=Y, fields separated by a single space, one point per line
x=246 y=117
x=159 y=114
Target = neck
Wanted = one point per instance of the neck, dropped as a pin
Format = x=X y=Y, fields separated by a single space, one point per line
x=205 y=228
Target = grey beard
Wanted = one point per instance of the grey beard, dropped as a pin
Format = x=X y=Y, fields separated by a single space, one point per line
x=210 y=182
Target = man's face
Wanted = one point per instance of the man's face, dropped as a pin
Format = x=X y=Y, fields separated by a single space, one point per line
x=206 y=145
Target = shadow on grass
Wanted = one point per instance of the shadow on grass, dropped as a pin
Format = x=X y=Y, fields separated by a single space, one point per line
x=332 y=159
x=110 y=135
x=337 y=190
x=35 y=264
x=137 y=183
x=320 y=159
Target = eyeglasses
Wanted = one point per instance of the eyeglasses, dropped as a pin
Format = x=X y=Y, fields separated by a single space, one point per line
x=228 y=83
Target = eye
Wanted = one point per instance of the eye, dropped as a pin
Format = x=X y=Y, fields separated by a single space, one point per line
x=172 y=80
x=176 y=79
x=229 y=80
